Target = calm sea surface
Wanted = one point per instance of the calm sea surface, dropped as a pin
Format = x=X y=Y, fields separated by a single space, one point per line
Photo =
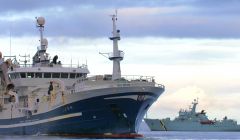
x=150 y=136
x=192 y=135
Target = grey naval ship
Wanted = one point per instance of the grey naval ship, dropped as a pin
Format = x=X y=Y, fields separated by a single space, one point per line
x=190 y=120
x=45 y=98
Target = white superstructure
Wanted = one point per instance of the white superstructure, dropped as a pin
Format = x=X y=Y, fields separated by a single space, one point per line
x=38 y=98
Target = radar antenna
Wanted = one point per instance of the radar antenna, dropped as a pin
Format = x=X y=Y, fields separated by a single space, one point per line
x=40 y=24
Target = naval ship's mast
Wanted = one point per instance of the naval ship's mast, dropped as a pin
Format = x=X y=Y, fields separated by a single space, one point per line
x=195 y=102
x=117 y=55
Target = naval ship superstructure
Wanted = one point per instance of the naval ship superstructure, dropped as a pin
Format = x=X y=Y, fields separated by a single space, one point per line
x=47 y=98
x=190 y=120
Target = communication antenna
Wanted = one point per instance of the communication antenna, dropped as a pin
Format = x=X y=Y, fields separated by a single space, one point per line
x=25 y=60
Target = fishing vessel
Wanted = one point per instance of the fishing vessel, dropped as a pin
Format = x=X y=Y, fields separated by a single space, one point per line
x=47 y=98
x=190 y=120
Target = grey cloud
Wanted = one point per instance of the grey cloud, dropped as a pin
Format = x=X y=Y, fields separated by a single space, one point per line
x=185 y=57
x=78 y=18
x=205 y=55
x=28 y=5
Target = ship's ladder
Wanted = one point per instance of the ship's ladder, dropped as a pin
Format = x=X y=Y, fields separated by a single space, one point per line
x=163 y=125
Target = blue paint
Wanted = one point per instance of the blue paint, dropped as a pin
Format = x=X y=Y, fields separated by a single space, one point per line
x=120 y=115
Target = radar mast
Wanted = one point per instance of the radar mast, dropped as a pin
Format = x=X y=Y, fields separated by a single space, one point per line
x=117 y=55
x=41 y=57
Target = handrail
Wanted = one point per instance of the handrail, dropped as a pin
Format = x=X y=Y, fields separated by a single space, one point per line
x=123 y=78
x=139 y=77
x=49 y=65
x=125 y=81
x=118 y=54
x=17 y=64
x=160 y=85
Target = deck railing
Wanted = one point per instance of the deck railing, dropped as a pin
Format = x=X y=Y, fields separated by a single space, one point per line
x=55 y=65
x=125 y=81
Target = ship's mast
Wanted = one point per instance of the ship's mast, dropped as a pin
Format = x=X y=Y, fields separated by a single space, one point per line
x=195 y=102
x=117 y=55
x=41 y=57
x=40 y=25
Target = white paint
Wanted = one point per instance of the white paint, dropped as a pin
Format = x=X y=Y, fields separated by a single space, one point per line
x=34 y=122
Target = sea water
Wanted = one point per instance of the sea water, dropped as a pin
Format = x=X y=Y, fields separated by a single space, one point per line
x=191 y=135
x=148 y=135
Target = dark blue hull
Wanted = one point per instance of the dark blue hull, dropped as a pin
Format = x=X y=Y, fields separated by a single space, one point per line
x=97 y=115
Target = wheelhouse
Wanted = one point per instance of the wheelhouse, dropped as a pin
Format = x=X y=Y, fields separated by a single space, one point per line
x=47 y=72
x=61 y=75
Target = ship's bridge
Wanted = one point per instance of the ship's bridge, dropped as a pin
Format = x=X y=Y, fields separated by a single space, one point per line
x=27 y=76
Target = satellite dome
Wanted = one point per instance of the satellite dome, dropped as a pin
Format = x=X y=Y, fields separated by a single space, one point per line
x=41 y=21
x=44 y=42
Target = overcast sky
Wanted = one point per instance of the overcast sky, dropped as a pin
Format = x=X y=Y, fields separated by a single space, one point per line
x=190 y=46
x=165 y=18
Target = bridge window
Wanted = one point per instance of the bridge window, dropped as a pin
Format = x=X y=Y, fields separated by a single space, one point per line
x=72 y=75
x=56 y=75
x=17 y=75
x=79 y=75
x=64 y=75
x=30 y=75
x=23 y=75
x=12 y=76
x=38 y=75
x=47 y=75
x=6 y=100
